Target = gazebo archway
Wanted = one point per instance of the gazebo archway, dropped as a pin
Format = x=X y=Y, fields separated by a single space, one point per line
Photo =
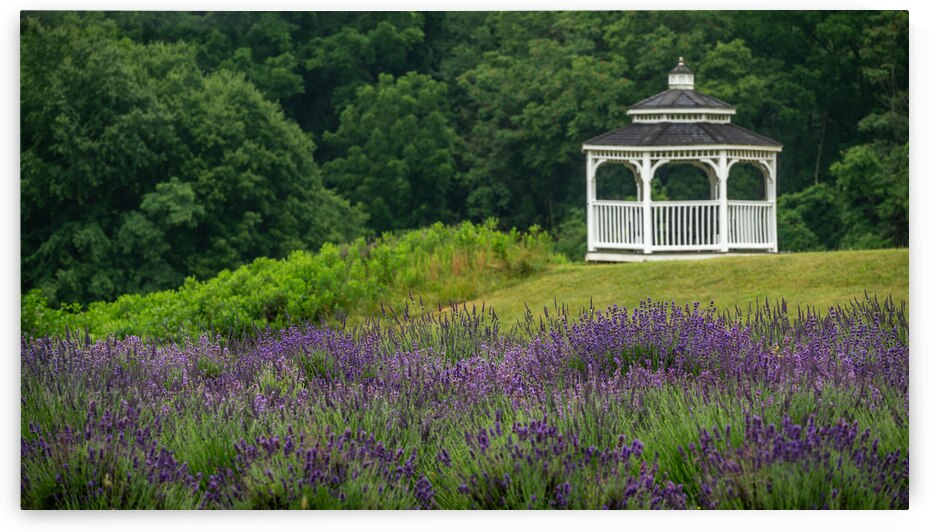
x=618 y=182
x=681 y=125
x=682 y=181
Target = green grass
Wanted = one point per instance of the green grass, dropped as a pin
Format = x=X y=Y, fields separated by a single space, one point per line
x=817 y=280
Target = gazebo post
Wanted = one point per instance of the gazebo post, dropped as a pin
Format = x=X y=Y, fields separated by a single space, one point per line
x=647 y=202
x=722 y=176
x=770 y=188
x=591 y=198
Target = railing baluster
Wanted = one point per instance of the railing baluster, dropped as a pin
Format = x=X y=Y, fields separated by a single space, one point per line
x=741 y=228
x=605 y=224
x=619 y=224
x=609 y=224
x=738 y=225
x=700 y=225
x=613 y=224
x=627 y=234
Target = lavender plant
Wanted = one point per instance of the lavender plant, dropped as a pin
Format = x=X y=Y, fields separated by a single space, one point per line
x=612 y=408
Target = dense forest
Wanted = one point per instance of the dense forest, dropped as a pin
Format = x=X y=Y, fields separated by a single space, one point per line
x=161 y=145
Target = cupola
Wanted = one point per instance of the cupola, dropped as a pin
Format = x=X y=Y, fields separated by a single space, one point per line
x=681 y=77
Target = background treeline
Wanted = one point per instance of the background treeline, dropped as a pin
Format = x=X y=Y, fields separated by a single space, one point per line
x=161 y=145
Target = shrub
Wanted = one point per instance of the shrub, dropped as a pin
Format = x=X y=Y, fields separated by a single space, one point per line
x=442 y=263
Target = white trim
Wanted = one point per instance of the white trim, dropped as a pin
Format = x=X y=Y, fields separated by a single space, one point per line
x=678 y=110
x=647 y=175
x=618 y=202
x=600 y=256
x=696 y=119
x=616 y=147
x=722 y=175
x=591 y=197
x=750 y=202
x=687 y=203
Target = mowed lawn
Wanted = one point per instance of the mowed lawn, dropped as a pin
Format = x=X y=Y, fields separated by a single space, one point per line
x=817 y=280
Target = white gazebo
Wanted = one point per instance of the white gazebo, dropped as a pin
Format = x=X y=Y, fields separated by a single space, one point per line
x=680 y=125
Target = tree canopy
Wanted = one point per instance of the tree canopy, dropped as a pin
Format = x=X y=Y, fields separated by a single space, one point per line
x=138 y=169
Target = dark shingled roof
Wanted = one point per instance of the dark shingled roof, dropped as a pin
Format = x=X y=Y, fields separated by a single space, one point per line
x=680 y=99
x=680 y=69
x=681 y=134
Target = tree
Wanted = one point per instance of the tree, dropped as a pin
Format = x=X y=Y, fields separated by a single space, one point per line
x=810 y=220
x=873 y=177
x=138 y=170
x=397 y=153
x=531 y=102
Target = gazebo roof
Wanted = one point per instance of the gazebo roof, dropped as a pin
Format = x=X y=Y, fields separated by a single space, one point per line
x=680 y=99
x=681 y=116
x=681 y=134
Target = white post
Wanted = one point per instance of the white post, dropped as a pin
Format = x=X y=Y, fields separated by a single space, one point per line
x=647 y=202
x=722 y=176
x=771 y=196
x=591 y=197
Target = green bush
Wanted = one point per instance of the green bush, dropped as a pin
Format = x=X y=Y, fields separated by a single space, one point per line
x=440 y=263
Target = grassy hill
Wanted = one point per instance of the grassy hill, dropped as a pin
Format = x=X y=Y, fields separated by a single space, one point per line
x=818 y=280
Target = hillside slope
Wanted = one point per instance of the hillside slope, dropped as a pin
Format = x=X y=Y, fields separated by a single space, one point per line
x=819 y=280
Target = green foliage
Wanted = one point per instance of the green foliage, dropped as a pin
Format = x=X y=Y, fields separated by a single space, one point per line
x=873 y=178
x=571 y=235
x=399 y=153
x=444 y=264
x=809 y=220
x=531 y=100
x=138 y=170
x=873 y=182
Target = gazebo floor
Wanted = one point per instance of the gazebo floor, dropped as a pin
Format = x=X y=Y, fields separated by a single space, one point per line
x=620 y=256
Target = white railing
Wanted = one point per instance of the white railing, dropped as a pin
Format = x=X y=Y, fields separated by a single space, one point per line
x=618 y=224
x=685 y=225
x=749 y=224
x=681 y=225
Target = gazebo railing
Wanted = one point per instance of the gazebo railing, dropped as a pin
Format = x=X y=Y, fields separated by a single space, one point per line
x=685 y=225
x=682 y=225
x=618 y=224
x=749 y=225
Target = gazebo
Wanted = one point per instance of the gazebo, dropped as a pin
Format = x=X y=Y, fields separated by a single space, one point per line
x=680 y=125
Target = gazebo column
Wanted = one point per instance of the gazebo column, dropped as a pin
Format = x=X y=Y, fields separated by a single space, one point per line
x=646 y=174
x=770 y=194
x=722 y=175
x=591 y=198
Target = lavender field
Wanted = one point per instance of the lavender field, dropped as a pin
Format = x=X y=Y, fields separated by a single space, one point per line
x=657 y=407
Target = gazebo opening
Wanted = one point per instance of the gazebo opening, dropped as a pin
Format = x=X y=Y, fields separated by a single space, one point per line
x=681 y=182
x=617 y=183
x=674 y=137
x=746 y=183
